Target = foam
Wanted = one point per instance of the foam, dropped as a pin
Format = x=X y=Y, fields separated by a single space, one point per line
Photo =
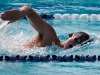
x=4 y=23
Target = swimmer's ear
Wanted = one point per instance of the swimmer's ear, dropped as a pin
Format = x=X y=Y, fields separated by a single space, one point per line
x=70 y=35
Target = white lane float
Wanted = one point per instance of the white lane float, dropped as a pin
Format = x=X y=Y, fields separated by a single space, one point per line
x=66 y=16
x=84 y=17
x=93 y=17
x=75 y=17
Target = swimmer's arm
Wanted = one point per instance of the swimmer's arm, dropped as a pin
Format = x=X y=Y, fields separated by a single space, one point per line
x=46 y=32
x=36 y=21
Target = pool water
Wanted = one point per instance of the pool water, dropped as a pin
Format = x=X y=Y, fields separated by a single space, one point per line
x=21 y=32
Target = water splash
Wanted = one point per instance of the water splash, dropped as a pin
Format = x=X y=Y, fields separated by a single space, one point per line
x=13 y=44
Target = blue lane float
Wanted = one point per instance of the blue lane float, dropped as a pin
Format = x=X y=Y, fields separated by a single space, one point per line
x=57 y=58
x=86 y=17
x=68 y=58
x=33 y=58
x=45 y=58
x=48 y=58
x=47 y=16
x=1 y=58
x=80 y=58
x=91 y=58
x=98 y=57
x=10 y=58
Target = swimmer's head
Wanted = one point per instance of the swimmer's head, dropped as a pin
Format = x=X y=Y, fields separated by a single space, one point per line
x=74 y=39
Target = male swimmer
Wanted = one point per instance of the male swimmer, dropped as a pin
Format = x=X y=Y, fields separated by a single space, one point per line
x=46 y=34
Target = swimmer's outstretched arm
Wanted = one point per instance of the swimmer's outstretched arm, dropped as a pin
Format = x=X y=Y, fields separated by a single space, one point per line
x=36 y=21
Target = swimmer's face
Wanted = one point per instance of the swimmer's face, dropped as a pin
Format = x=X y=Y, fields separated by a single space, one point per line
x=74 y=40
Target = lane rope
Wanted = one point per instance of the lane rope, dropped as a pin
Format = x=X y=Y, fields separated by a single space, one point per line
x=50 y=58
x=86 y=17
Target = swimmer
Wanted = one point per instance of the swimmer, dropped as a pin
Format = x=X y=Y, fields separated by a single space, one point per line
x=46 y=34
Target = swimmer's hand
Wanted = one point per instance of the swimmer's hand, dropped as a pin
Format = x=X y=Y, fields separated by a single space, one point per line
x=12 y=15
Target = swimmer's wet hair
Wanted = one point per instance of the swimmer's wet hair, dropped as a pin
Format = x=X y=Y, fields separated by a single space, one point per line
x=82 y=37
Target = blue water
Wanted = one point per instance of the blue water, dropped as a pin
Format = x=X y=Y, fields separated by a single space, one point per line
x=21 y=32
